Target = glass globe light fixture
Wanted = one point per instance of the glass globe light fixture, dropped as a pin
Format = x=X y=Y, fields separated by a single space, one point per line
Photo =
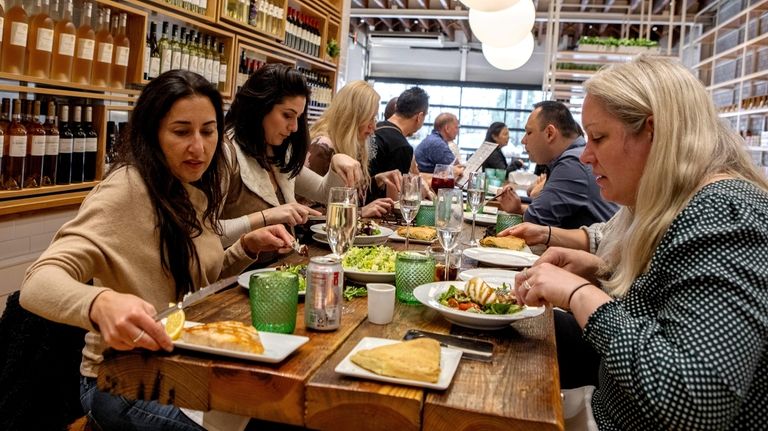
x=505 y=27
x=509 y=57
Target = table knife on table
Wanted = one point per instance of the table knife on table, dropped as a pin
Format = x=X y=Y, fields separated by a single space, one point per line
x=197 y=296
x=471 y=348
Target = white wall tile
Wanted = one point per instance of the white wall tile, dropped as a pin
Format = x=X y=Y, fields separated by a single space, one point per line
x=38 y=243
x=14 y=247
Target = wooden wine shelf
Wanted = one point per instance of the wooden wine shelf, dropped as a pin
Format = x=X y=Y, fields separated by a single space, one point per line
x=43 y=198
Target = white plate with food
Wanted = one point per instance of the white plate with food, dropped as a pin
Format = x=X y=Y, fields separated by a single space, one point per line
x=481 y=219
x=301 y=270
x=494 y=277
x=449 y=362
x=276 y=346
x=429 y=294
x=370 y=264
x=419 y=235
x=379 y=237
x=500 y=256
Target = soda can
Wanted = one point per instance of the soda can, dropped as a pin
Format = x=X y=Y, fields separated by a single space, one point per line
x=322 y=303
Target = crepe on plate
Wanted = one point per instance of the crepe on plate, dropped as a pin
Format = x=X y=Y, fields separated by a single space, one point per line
x=509 y=242
x=227 y=334
x=422 y=233
x=417 y=359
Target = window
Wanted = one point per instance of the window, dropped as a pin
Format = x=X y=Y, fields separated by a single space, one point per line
x=476 y=106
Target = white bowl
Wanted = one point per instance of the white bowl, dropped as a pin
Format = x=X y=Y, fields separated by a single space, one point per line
x=523 y=179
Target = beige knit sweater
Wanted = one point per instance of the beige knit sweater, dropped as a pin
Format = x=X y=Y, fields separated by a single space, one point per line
x=113 y=240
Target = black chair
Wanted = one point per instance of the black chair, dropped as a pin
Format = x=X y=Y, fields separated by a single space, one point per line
x=39 y=371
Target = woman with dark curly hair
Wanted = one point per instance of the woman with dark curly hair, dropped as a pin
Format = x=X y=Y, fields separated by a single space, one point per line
x=146 y=235
x=498 y=132
x=266 y=141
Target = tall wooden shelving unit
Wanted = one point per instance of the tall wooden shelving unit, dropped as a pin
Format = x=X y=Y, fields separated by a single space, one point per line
x=107 y=102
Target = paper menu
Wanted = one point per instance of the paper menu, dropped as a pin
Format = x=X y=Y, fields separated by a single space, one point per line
x=476 y=161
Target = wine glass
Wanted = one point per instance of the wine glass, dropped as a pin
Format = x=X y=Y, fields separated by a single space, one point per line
x=410 y=200
x=341 y=219
x=475 y=199
x=442 y=177
x=449 y=212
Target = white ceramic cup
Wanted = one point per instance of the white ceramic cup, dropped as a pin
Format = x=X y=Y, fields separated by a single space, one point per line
x=381 y=303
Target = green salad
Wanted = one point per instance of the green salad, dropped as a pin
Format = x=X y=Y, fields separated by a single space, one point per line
x=300 y=270
x=461 y=300
x=371 y=259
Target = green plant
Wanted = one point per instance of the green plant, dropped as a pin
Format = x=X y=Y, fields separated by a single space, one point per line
x=332 y=48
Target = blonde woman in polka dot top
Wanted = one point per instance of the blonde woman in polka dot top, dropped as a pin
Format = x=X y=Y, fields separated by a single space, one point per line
x=678 y=310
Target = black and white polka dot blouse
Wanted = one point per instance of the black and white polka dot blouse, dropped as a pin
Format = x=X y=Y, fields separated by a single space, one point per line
x=687 y=348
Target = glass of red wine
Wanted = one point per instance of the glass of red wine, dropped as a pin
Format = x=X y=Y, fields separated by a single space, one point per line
x=442 y=178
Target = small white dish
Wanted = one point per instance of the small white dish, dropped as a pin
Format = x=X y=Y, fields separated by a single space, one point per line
x=449 y=362
x=500 y=256
x=429 y=294
x=244 y=280
x=276 y=346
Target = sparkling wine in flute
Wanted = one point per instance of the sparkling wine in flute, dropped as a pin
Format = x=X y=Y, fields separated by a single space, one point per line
x=341 y=221
x=448 y=237
x=475 y=198
x=409 y=205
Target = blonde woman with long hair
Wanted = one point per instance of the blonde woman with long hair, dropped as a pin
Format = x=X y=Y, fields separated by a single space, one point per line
x=345 y=128
x=678 y=310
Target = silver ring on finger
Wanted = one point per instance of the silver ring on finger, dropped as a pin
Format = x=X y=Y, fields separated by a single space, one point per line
x=138 y=337
x=525 y=273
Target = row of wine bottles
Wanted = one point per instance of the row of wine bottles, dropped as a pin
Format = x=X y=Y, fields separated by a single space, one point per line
x=302 y=33
x=196 y=6
x=320 y=84
x=44 y=43
x=186 y=50
x=264 y=15
x=60 y=150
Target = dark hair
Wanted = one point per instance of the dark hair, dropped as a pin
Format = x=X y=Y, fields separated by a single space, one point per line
x=411 y=102
x=494 y=129
x=270 y=86
x=558 y=115
x=390 y=108
x=177 y=221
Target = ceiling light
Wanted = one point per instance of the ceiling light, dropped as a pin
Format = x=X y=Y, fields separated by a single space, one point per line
x=505 y=27
x=511 y=57
x=488 y=5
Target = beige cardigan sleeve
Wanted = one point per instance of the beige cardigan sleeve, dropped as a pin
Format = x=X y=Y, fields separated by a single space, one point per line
x=314 y=187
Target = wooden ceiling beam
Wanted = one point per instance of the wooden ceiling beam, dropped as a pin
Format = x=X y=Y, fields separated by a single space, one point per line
x=659 y=6
x=448 y=30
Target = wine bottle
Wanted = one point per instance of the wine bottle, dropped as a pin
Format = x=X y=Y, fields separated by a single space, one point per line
x=78 y=147
x=51 y=145
x=91 y=146
x=105 y=44
x=154 y=55
x=64 y=38
x=166 y=53
x=121 y=54
x=17 y=149
x=66 y=143
x=86 y=41
x=15 y=28
x=40 y=43
x=33 y=164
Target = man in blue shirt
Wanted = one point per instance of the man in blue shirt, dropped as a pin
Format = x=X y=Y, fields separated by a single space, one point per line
x=434 y=149
x=570 y=198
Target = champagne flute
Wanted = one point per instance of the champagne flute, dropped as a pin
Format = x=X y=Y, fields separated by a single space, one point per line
x=341 y=219
x=410 y=200
x=475 y=199
x=449 y=212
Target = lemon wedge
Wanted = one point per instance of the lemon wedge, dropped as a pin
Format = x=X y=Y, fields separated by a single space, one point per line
x=174 y=324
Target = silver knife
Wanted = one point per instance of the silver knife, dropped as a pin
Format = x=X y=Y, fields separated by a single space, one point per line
x=195 y=297
x=471 y=348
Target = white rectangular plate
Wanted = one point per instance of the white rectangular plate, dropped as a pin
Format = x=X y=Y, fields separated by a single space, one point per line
x=500 y=256
x=276 y=346
x=449 y=362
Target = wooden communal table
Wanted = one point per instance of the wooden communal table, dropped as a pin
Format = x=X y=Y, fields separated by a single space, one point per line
x=519 y=389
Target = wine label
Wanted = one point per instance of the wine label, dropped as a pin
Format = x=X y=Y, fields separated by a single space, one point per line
x=193 y=63
x=37 y=145
x=91 y=144
x=105 y=52
x=18 y=146
x=145 y=68
x=78 y=145
x=176 y=60
x=222 y=73
x=208 y=69
x=52 y=145
x=66 y=44
x=165 y=60
x=185 y=61
x=85 y=49
x=19 y=33
x=44 y=40
x=65 y=145
x=121 y=55
x=154 y=67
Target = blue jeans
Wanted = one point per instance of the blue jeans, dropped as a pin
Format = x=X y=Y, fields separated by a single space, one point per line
x=113 y=412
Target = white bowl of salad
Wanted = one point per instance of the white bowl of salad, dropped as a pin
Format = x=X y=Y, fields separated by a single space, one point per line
x=370 y=264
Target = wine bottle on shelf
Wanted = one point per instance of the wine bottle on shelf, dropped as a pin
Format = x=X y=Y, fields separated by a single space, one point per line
x=78 y=147
x=26 y=112
x=66 y=144
x=253 y=13
x=91 y=145
x=86 y=41
x=194 y=58
x=184 y=39
x=111 y=144
x=33 y=165
x=102 y=66
x=15 y=29
x=122 y=52
x=208 y=74
x=16 y=137
x=175 y=48
x=51 y=145
x=154 y=53
x=216 y=67
x=64 y=38
x=40 y=43
x=223 y=69
x=166 y=53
